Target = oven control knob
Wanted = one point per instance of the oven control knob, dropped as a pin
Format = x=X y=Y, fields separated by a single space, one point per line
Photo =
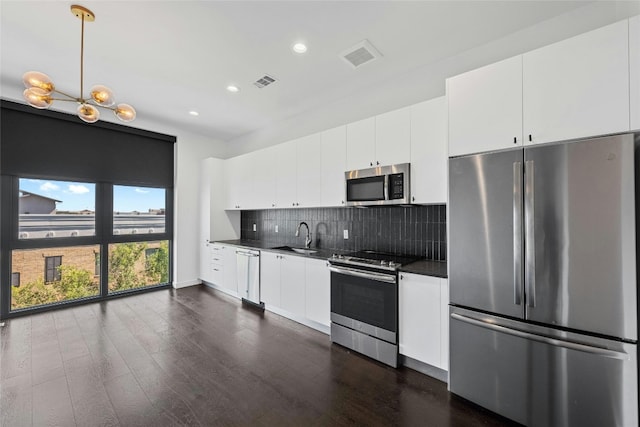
x=383 y=263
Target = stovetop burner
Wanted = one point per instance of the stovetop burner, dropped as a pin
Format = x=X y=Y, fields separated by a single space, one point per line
x=374 y=259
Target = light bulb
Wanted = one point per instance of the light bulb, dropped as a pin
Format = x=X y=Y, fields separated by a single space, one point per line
x=125 y=112
x=38 y=80
x=88 y=113
x=102 y=95
x=38 y=98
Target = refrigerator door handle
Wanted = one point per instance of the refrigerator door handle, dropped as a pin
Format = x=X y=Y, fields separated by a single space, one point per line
x=517 y=233
x=529 y=238
x=571 y=345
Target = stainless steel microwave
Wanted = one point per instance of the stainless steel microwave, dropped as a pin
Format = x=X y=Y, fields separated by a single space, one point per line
x=382 y=185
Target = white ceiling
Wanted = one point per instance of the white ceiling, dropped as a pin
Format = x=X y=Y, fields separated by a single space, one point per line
x=169 y=57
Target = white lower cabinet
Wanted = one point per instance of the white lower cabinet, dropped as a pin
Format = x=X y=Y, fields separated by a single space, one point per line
x=297 y=287
x=318 y=291
x=423 y=319
x=292 y=284
x=230 y=269
x=270 y=278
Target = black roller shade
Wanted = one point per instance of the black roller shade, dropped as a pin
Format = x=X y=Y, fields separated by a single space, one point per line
x=48 y=144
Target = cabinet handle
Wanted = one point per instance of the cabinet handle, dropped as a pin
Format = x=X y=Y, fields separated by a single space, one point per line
x=413 y=198
x=377 y=163
x=530 y=138
x=273 y=205
x=370 y=163
x=343 y=202
x=515 y=140
x=402 y=277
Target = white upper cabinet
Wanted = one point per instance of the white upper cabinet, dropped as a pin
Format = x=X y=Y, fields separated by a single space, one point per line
x=429 y=151
x=263 y=186
x=578 y=87
x=485 y=108
x=286 y=170
x=393 y=137
x=309 y=171
x=238 y=176
x=333 y=160
x=361 y=144
x=634 y=70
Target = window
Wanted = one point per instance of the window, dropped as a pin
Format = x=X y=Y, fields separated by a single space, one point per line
x=138 y=210
x=51 y=209
x=52 y=268
x=15 y=280
x=129 y=270
x=62 y=282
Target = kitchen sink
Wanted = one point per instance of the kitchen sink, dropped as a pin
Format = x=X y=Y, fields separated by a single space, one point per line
x=304 y=251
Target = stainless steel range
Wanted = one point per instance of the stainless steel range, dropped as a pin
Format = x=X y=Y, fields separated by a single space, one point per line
x=364 y=303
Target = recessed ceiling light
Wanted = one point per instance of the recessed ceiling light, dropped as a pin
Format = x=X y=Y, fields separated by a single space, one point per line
x=232 y=88
x=299 y=48
x=194 y=113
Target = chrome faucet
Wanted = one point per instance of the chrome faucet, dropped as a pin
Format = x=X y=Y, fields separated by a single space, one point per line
x=307 y=240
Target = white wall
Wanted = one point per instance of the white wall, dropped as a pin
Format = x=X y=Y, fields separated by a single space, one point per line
x=428 y=82
x=190 y=150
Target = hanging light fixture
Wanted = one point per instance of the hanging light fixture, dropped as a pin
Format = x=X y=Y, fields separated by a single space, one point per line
x=40 y=89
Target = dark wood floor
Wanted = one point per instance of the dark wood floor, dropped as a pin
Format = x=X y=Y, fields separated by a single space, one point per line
x=196 y=357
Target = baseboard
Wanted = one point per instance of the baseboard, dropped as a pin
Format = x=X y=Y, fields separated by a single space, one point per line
x=220 y=289
x=179 y=285
x=425 y=368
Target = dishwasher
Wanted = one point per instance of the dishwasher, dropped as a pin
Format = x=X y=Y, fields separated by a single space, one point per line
x=248 y=267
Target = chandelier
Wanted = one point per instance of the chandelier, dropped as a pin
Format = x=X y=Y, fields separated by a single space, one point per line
x=40 y=89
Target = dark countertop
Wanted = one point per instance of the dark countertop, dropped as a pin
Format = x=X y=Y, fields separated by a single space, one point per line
x=424 y=267
x=427 y=268
x=323 y=254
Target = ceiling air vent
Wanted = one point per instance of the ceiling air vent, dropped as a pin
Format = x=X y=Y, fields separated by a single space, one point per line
x=360 y=54
x=264 y=81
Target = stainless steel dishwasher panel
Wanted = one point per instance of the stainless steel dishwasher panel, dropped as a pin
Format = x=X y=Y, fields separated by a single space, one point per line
x=248 y=269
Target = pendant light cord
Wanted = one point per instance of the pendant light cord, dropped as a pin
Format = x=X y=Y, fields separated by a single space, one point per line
x=82 y=60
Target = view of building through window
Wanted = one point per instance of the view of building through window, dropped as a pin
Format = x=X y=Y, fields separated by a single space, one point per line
x=50 y=209
x=138 y=210
x=53 y=275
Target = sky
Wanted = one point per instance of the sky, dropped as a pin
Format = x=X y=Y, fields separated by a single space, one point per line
x=76 y=196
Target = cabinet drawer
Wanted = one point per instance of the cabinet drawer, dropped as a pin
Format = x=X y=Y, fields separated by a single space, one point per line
x=217 y=274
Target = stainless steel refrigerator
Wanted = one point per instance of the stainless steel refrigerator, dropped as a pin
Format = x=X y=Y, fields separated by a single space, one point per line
x=543 y=282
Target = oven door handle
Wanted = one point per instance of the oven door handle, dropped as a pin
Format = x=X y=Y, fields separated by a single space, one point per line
x=364 y=274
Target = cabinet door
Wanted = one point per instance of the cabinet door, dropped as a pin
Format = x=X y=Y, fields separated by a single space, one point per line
x=309 y=171
x=334 y=164
x=231 y=182
x=270 y=278
x=262 y=190
x=361 y=140
x=485 y=108
x=292 y=284
x=420 y=318
x=634 y=69
x=286 y=161
x=444 y=324
x=318 y=291
x=393 y=137
x=230 y=268
x=578 y=87
x=429 y=151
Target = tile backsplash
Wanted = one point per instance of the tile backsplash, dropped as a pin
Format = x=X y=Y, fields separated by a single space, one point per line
x=417 y=230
